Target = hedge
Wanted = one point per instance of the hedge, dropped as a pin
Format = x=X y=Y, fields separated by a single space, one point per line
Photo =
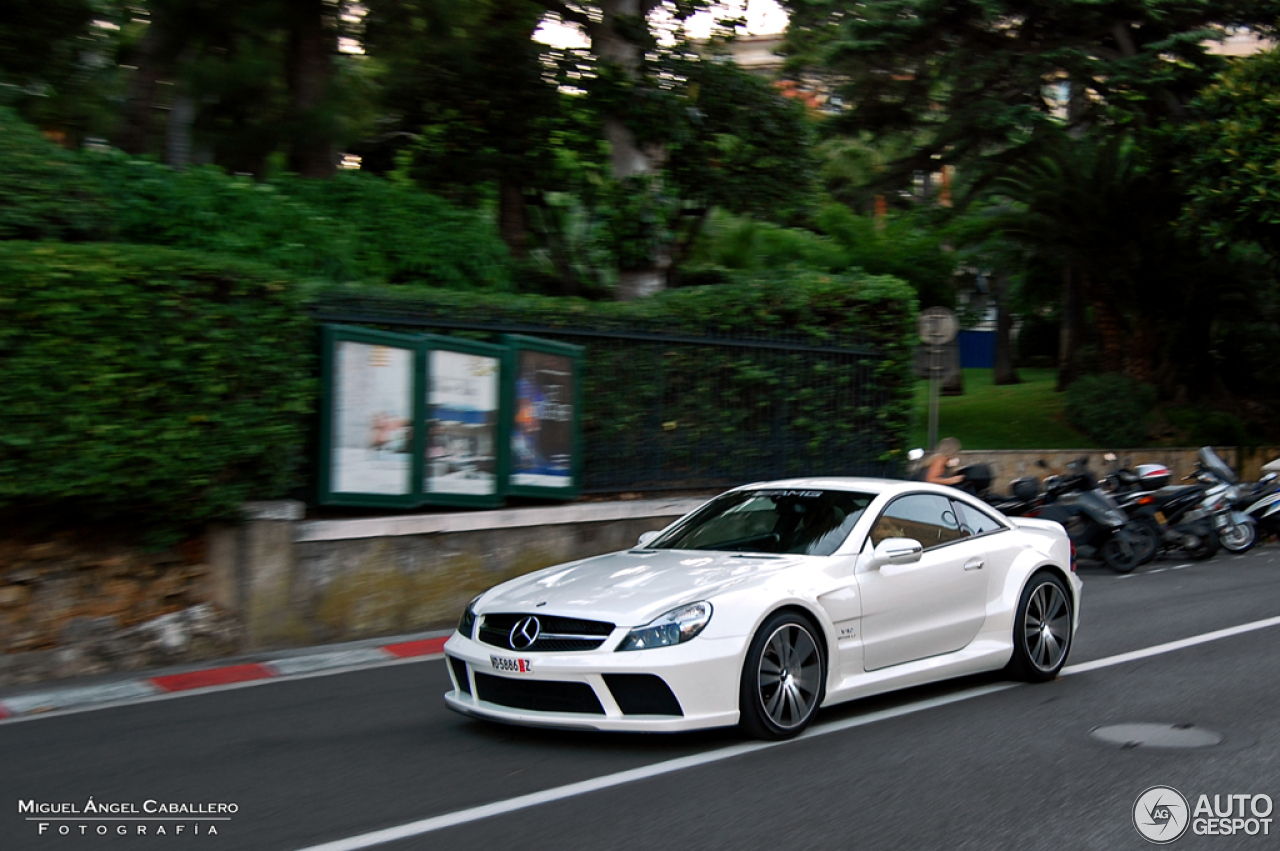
x=162 y=386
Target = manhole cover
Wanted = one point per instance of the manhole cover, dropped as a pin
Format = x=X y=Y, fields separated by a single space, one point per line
x=1157 y=736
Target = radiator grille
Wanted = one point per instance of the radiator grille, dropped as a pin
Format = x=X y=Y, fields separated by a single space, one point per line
x=555 y=634
x=538 y=695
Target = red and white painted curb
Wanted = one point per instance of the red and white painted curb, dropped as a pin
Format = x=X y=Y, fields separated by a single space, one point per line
x=124 y=691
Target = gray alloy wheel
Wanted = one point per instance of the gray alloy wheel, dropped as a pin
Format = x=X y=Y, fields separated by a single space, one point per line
x=783 y=678
x=1238 y=537
x=1042 y=631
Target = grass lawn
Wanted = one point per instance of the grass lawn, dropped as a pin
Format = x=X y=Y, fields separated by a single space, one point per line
x=1016 y=416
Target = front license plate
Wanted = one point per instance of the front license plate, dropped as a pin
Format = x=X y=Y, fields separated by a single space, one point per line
x=511 y=666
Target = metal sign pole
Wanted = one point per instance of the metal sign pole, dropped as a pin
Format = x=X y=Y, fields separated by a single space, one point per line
x=934 y=384
x=937 y=326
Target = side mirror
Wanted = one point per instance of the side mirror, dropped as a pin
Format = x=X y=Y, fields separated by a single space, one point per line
x=915 y=454
x=645 y=538
x=896 y=551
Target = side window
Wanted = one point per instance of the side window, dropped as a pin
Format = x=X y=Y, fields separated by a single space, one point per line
x=926 y=517
x=975 y=521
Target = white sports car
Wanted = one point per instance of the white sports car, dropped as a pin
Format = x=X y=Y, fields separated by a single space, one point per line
x=767 y=602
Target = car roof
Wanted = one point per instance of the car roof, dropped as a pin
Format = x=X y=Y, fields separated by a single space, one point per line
x=851 y=483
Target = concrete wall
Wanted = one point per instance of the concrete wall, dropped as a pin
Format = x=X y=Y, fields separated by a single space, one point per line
x=297 y=583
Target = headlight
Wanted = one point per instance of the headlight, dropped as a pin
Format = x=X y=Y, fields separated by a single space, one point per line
x=675 y=627
x=467 y=623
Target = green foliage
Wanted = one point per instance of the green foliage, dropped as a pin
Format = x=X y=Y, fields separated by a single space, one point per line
x=903 y=245
x=1232 y=150
x=45 y=191
x=149 y=385
x=973 y=79
x=1111 y=409
x=739 y=144
x=56 y=63
x=900 y=246
x=354 y=226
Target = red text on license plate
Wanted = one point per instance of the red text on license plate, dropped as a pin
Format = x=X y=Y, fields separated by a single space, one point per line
x=511 y=666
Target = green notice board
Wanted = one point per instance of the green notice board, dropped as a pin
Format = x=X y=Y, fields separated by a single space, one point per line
x=409 y=420
x=546 y=435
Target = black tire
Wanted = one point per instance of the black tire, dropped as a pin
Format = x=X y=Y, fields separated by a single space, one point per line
x=1123 y=550
x=1043 y=629
x=1146 y=538
x=1155 y=532
x=783 y=679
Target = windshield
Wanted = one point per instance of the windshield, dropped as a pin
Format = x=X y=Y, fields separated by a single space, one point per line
x=809 y=522
x=1216 y=465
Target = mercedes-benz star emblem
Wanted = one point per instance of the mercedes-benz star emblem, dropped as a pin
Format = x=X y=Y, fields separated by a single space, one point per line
x=524 y=633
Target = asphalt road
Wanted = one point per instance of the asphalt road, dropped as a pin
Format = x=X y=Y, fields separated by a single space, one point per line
x=974 y=763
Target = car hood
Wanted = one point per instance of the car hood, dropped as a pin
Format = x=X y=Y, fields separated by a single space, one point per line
x=633 y=587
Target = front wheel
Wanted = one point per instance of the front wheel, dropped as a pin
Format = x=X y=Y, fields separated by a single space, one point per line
x=783 y=678
x=1042 y=630
x=1200 y=544
x=1238 y=536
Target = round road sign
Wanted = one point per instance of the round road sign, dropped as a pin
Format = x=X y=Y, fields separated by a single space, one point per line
x=937 y=325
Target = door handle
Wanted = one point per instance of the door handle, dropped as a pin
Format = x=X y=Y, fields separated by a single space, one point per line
x=974 y=564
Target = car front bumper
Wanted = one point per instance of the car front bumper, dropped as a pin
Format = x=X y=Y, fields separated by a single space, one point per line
x=665 y=689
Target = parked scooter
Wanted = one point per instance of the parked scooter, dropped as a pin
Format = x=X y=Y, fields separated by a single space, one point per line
x=1258 y=503
x=1096 y=524
x=1173 y=514
x=1237 y=531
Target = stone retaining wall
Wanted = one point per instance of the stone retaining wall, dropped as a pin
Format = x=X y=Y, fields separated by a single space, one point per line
x=1009 y=464
x=77 y=605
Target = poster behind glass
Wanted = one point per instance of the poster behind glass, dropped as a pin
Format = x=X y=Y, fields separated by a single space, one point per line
x=373 y=419
x=462 y=426
x=542 y=437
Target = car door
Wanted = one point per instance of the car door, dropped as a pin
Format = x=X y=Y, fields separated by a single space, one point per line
x=929 y=607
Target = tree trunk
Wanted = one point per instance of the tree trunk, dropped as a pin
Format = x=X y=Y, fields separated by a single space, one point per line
x=311 y=47
x=1071 y=329
x=627 y=157
x=134 y=135
x=1003 y=371
x=513 y=224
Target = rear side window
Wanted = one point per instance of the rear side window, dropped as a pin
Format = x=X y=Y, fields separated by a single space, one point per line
x=975 y=521
x=926 y=517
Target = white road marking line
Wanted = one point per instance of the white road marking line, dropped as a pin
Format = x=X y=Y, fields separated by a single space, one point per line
x=573 y=790
x=1157 y=570
x=1170 y=646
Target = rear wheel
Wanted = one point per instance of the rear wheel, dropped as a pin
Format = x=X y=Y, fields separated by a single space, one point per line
x=783 y=678
x=1042 y=630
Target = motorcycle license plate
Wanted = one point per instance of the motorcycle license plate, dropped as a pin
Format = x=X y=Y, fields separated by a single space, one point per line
x=1160 y=518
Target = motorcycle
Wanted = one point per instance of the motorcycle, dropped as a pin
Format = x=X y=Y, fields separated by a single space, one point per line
x=1237 y=531
x=1175 y=515
x=1097 y=526
x=1260 y=504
